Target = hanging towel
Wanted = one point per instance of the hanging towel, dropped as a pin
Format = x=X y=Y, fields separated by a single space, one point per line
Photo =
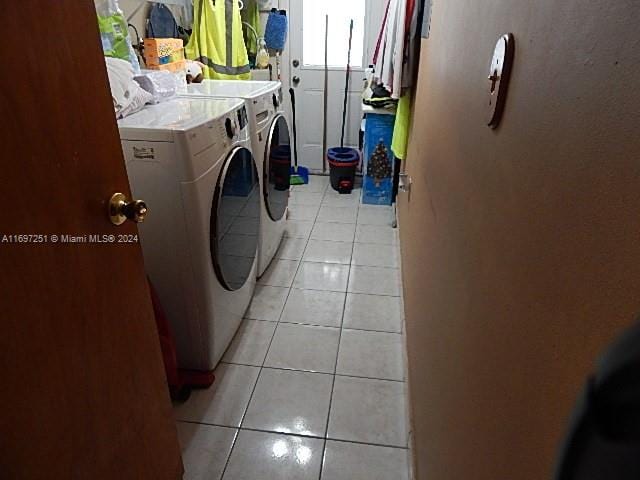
x=275 y=32
x=401 y=127
x=398 y=49
x=217 y=40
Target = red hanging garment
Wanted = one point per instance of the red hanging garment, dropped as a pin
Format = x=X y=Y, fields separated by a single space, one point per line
x=380 y=35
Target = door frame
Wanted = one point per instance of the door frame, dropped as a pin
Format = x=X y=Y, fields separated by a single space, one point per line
x=374 y=15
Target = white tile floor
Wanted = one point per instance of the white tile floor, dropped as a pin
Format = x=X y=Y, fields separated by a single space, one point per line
x=312 y=386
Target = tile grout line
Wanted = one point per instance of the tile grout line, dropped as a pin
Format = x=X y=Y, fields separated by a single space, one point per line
x=244 y=413
x=335 y=368
x=255 y=385
x=289 y=434
x=318 y=372
x=332 y=263
x=325 y=438
x=226 y=465
x=315 y=325
x=308 y=238
x=393 y=247
x=335 y=291
x=329 y=326
x=333 y=378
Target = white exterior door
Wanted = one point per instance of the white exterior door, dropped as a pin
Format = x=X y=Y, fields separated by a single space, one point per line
x=306 y=69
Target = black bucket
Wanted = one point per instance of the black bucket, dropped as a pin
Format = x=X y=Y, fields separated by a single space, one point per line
x=343 y=162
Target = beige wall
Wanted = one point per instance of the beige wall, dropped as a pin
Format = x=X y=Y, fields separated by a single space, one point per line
x=521 y=246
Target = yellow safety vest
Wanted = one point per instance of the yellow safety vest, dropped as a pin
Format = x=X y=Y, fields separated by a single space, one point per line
x=217 y=40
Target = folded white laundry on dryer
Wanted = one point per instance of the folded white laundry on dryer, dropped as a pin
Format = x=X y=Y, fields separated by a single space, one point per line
x=128 y=97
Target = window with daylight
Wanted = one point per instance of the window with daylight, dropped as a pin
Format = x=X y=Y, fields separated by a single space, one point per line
x=340 y=12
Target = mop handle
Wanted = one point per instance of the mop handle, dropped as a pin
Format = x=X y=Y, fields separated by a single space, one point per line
x=346 y=85
x=325 y=93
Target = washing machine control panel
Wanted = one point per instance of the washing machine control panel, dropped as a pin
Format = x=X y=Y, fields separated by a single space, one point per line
x=266 y=106
x=221 y=132
x=230 y=127
x=276 y=99
x=243 y=118
x=235 y=124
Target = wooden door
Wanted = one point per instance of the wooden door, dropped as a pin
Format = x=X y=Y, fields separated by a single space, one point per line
x=306 y=44
x=82 y=389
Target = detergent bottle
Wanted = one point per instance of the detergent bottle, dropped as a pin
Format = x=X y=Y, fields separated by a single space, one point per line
x=262 y=58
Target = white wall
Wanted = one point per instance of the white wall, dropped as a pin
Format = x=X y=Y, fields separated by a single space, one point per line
x=140 y=18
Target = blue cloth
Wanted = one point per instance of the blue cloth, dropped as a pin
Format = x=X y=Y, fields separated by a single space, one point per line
x=275 y=33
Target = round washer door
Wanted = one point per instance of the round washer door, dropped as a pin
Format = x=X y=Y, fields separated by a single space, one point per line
x=235 y=219
x=277 y=168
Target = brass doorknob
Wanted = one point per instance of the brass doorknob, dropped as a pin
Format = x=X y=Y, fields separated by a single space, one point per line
x=121 y=209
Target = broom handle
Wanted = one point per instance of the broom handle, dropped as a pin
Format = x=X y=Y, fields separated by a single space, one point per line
x=295 y=130
x=346 y=85
x=326 y=93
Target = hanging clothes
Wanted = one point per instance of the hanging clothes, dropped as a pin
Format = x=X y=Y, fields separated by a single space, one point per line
x=251 y=15
x=217 y=40
x=170 y=19
x=380 y=35
x=390 y=54
x=412 y=43
x=398 y=44
x=182 y=11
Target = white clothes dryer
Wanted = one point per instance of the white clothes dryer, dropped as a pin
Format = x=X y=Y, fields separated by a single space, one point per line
x=270 y=140
x=191 y=161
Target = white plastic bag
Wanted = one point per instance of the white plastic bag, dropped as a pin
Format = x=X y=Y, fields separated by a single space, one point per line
x=114 y=32
x=160 y=84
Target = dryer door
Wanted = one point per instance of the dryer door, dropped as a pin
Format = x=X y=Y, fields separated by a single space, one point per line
x=235 y=219
x=277 y=167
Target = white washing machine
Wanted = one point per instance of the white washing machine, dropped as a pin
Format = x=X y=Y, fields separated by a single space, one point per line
x=270 y=139
x=191 y=161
